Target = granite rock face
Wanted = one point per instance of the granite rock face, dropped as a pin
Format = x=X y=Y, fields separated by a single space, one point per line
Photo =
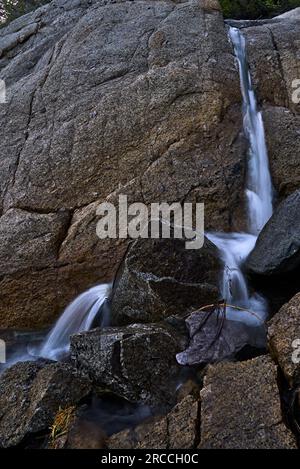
x=273 y=50
x=240 y=407
x=152 y=112
x=137 y=97
x=284 y=339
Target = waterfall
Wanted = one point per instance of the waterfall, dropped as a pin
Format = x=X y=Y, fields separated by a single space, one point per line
x=77 y=317
x=235 y=247
x=259 y=189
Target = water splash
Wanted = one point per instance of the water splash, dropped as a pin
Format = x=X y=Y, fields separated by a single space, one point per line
x=77 y=317
x=234 y=249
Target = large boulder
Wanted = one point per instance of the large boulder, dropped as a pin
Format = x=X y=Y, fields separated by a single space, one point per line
x=284 y=339
x=136 y=362
x=161 y=277
x=30 y=395
x=277 y=250
x=137 y=96
x=240 y=407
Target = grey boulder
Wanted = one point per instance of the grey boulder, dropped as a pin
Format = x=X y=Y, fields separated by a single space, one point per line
x=161 y=277
x=140 y=97
x=31 y=394
x=137 y=362
x=277 y=250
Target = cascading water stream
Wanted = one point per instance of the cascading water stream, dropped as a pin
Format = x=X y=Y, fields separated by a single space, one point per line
x=235 y=247
x=77 y=317
x=259 y=189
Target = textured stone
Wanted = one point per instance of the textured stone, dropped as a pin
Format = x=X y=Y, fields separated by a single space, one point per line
x=31 y=394
x=214 y=338
x=161 y=277
x=273 y=50
x=240 y=407
x=283 y=140
x=18 y=251
x=137 y=362
x=283 y=332
x=277 y=250
x=153 y=111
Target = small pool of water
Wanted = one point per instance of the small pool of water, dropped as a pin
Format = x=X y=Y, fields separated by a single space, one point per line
x=19 y=344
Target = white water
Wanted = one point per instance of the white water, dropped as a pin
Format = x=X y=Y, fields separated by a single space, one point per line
x=235 y=247
x=259 y=189
x=77 y=317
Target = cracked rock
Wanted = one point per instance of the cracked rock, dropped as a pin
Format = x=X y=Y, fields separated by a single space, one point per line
x=156 y=102
x=277 y=249
x=31 y=394
x=284 y=339
x=161 y=277
x=137 y=362
x=240 y=407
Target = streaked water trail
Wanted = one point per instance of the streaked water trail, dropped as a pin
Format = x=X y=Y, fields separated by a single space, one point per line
x=235 y=247
x=259 y=190
x=77 y=317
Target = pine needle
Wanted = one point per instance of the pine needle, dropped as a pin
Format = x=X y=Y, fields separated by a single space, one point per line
x=61 y=424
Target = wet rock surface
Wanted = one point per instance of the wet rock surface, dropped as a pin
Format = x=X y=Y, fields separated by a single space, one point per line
x=240 y=407
x=31 y=394
x=178 y=430
x=277 y=250
x=161 y=277
x=284 y=339
x=137 y=362
x=214 y=338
